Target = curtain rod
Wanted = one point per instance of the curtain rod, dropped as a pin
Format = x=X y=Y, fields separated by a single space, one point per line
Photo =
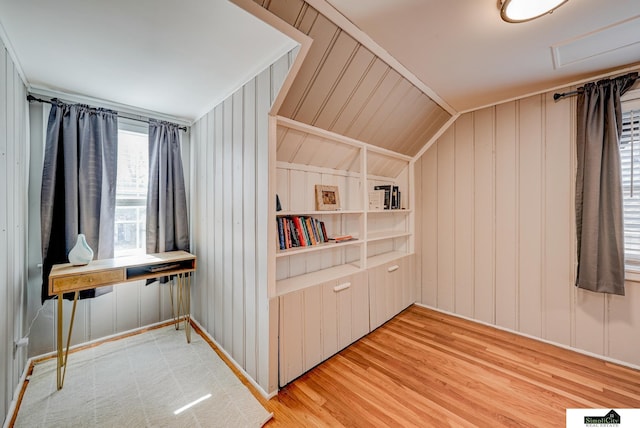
x=557 y=95
x=31 y=98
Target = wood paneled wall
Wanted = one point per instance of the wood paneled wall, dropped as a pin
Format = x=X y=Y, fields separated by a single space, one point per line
x=13 y=221
x=230 y=172
x=343 y=87
x=497 y=236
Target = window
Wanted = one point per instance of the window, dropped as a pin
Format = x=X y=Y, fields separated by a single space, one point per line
x=630 y=157
x=131 y=190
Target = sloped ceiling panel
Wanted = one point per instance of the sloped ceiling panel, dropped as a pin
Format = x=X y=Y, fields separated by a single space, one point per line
x=343 y=87
x=302 y=148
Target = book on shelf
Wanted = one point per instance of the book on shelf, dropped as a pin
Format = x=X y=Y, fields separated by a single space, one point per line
x=281 y=233
x=395 y=199
x=342 y=238
x=387 y=194
x=300 y=231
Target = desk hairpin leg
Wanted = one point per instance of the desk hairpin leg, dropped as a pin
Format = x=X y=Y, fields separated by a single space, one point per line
x=63 y=352
x=183 y=304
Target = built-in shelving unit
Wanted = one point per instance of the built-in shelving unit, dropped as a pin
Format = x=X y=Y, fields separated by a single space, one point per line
x=307 y=156
x=331 y=294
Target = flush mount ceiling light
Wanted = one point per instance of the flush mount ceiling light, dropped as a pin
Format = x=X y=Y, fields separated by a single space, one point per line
x=526 y=10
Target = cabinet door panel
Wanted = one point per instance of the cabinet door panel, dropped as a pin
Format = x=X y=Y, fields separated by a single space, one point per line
x=359 y=306
x=329 y=320
x=343 y=292
x=291 y=337
x=312 y=327
x=377 y=296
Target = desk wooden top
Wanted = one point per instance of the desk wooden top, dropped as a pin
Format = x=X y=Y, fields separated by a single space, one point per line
x=66 y=277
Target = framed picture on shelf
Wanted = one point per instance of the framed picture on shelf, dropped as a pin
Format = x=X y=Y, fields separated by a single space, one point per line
x=327 y=198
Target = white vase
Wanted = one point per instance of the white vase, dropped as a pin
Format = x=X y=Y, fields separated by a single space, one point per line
x=81 y=253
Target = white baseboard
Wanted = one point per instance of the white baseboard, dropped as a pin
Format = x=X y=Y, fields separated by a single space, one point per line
x=539 y=339
x=246 y=375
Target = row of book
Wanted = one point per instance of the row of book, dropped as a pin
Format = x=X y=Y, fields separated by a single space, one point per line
x=299 y=231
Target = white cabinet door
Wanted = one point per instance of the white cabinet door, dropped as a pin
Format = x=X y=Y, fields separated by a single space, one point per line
x=390 y=290
x=348 y=299
x=319 y=321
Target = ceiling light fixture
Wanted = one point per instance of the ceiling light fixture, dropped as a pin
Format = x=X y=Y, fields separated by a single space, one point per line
x=526 y=10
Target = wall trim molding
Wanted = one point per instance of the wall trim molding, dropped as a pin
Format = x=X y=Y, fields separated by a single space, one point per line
x=267 y=396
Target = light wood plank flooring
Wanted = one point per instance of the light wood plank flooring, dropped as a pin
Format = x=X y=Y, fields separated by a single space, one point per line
x=427 y=369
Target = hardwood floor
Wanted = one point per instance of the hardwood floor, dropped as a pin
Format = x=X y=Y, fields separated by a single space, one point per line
x=427 y=369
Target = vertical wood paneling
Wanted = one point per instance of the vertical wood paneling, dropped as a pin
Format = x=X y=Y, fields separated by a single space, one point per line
x=446 y=224
x=484 y=227
x=590 y=321
x=226 y=200
x=506 y=216
x=623 y=319
x=8 y=312
x=266 y=317
x=558 y=261
x=530 y=216
x=207 y=206
x=218 y=245
x=417 y=227
x=13 y=218
x=231 y=236
x=249 y=224
x=523 y=169
x=429 y=222
x=463 y=215
x=237 y=199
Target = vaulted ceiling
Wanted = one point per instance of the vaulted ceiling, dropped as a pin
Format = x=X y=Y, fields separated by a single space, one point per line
x=392 y=72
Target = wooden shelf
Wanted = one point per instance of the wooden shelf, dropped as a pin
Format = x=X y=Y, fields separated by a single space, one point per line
x=386 y=234
x=318 y=247
x=299 y=282
x=311 y=213
x=401 y=211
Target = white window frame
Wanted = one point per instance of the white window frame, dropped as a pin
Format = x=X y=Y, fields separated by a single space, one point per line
x=140 y=128
x=631 y=101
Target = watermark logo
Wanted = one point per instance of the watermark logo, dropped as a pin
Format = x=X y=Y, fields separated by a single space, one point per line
x=600 y=418
x=610 y=419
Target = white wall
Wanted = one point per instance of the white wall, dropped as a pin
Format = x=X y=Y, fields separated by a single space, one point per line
x=496 y=239
x=229 y=222
x=14 y=164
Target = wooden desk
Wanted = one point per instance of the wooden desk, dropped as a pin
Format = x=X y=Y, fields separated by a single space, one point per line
x=66 y=278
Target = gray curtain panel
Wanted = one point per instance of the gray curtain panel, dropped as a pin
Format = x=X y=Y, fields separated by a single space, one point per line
x=78 y=185
x=167 y=217
x=599 y=221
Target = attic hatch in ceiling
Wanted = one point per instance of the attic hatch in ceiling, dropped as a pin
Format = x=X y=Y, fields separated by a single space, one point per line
x=344 y=88
x=614 y=39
